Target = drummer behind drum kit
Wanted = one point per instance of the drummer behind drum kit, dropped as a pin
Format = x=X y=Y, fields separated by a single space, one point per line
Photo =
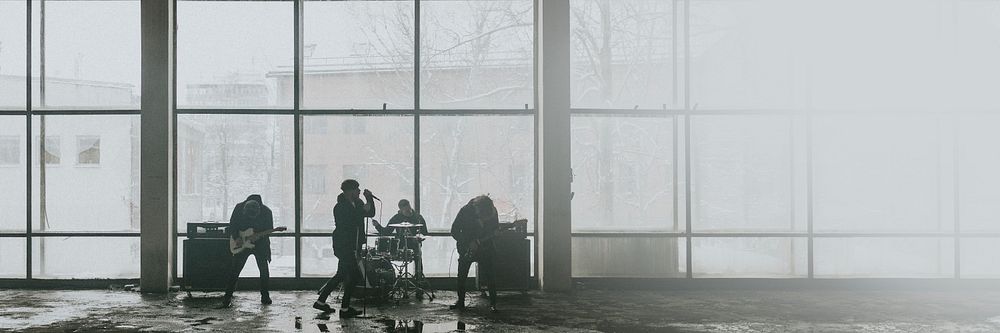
x=387 y=265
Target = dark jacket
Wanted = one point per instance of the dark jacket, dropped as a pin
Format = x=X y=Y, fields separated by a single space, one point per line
x=239 y=221
x=467 y=228
x=400 y=218
x=349 y=218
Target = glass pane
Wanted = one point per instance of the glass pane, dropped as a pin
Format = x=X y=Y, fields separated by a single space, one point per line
x=13 y=173
x=978 y=162
x=741 y=173
x=73 y=196
x=13 y=48
x=377 y=151
x=476 y=54
x=12 y=254
x=358 y=54
x=884 y=257
x=646 y=257
x=179 y=260
x=979 y=259
x=792 y=54
x=465 y=156
x=234 y=54
x=85 y=257
x=867 y=180
x=977 y=25
x=282 y=259
x=317 y=257
x=441 y=258
x=88 y=54
x=624 y=54
x=756 y=257
x=222 y=159
x=623 y=174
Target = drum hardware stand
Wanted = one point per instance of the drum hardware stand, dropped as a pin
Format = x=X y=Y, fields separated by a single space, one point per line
x=407 y=282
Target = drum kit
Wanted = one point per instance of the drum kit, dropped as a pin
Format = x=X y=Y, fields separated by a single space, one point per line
x=387 y=264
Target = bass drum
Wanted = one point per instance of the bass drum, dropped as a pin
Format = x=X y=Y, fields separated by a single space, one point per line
x=380 y=276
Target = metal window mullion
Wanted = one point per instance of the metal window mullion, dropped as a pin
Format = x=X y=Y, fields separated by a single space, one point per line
x=245 y=111
x=956 y=145
x=687 y=139
x=809 y=197
x=297 y=131
x=88 y=234
x=673 y=51
x=27 y=163
x=687 y=55
x=76 y=112
x=676 y=174
x=416 y=104
x=173 y=135
x=791 y=185
x=687 y=196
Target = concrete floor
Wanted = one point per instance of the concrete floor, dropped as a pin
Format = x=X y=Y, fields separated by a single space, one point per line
x=581 y=311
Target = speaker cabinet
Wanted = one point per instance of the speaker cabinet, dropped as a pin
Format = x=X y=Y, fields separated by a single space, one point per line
x=513 y=263
x=206 y=263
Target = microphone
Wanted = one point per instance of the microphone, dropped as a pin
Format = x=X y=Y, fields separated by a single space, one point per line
x=372 y=195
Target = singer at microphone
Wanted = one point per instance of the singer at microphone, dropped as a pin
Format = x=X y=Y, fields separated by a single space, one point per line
x=349 y=216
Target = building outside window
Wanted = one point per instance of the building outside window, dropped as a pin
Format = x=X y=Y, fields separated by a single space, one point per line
x=88 y=150
x=10 y=150
x=314 y=179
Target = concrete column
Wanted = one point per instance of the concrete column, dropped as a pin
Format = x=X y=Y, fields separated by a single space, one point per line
x=553 y=145
x=156 y=197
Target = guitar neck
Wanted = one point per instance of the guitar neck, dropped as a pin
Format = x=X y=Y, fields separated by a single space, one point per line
x=258 y=235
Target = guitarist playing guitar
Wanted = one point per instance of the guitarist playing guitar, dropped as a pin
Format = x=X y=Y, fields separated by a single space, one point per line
x=247 y=215
x=474 y=227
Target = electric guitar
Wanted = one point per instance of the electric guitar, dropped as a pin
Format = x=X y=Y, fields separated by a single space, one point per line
x=245 y=239
x=469 y=252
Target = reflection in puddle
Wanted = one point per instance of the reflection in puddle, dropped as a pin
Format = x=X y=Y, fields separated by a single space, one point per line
x=416 y=326
x=204 y=321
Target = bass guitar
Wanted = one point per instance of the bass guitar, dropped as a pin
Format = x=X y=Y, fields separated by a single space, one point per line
x=246 y=238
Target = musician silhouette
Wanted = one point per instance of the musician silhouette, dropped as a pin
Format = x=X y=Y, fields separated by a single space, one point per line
x=251 y=213
x=474 y=227
x=349 y=217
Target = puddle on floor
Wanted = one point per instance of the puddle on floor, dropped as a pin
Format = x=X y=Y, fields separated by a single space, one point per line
x=416 y=326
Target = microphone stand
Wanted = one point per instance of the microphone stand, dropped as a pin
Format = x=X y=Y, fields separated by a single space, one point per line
x=364 y=268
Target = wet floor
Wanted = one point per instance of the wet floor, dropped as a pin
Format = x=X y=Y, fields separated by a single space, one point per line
x=581 y=311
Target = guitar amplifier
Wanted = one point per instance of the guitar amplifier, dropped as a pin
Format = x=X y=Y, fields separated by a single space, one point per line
x=207 y=230
x=207 y=264
x=513 y=263
x=519 y=227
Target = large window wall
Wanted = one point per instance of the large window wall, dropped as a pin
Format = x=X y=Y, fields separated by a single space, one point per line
x=430 y=101
x=69 y=139
x=710 y=138
x=729 y=138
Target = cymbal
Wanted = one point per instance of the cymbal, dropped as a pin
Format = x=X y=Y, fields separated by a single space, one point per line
x=405 y=225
